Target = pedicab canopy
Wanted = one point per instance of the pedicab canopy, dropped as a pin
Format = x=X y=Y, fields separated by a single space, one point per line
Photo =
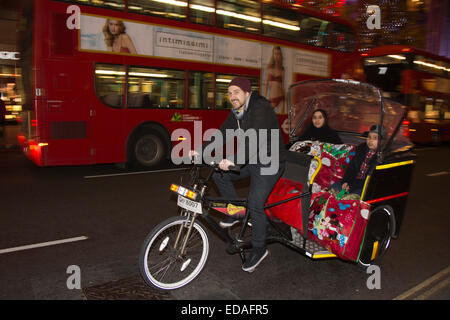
x=352 y=108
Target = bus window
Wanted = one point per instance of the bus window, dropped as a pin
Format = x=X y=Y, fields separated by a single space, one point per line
x=201 y=90
x=164 y=9
x=321 y=33
x=280 y=23
x=222 y=81
x=244 y=16
x=109 y=80
x=110 y=4
x=341 y=38
x=202 y=11
x=155 y=88
x=309 y=30
x=430 y=65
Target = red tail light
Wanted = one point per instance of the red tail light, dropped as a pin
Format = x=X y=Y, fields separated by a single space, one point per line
x=405 y=124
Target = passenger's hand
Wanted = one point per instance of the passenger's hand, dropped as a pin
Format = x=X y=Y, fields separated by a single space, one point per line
x=345 y=186
x=225 y=164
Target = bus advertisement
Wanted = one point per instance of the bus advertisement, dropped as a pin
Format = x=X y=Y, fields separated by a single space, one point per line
x=419 y=80
x=110 y=81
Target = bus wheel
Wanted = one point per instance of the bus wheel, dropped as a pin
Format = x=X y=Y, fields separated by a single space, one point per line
x=148 y=150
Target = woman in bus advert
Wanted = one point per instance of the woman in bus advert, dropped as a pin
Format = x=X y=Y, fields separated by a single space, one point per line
x=115 y=37
x=275 y=84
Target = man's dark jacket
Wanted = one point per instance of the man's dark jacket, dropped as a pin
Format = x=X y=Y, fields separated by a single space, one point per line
x=259 y=115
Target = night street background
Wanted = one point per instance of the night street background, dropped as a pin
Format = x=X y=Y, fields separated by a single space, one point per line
x=116 y=208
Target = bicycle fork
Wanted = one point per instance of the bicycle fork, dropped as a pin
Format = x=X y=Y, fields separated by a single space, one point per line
x=190 y=219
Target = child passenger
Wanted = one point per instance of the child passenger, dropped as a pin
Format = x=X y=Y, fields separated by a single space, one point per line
x=365 y=157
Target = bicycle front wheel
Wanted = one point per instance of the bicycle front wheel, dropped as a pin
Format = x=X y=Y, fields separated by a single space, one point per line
x=162 y=264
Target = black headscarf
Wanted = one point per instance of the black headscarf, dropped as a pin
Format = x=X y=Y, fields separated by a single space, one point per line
x=322 y=134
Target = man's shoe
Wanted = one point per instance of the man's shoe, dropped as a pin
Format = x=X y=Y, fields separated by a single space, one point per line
x=256 y=257
x=228 y=222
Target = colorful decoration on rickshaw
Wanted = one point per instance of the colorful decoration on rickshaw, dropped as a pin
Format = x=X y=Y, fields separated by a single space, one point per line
x=338 y=225
x=335 y=159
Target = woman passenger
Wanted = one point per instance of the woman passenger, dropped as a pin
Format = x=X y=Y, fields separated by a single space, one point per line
x=319 y=129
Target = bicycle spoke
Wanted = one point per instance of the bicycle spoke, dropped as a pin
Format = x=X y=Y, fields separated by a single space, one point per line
x=157 y=265
x=163 y=266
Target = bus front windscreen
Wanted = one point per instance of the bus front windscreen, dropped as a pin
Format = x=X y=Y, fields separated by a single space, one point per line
x=385 y=76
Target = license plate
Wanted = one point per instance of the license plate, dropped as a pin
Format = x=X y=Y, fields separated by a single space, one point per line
x=189 y=205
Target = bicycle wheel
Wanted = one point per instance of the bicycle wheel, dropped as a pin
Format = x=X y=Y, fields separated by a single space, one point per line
x=162 y=265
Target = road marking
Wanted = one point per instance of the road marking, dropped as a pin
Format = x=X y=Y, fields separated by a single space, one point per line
x=42 y=244
x=433 y=290
x=425 y=284
x=441 y=173
x=131 y=173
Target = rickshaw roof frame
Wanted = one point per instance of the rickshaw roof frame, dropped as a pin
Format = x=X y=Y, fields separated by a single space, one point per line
x=352 y=82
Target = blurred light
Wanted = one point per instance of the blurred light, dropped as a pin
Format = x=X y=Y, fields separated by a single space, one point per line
x=120 y=73
x=395 y=56
x=431 y=65
x=238 y=15
x=281 y=25
x=141 y=74
x=201 y=8
x=173 y=2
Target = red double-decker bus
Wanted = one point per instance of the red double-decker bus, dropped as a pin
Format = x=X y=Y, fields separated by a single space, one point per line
x=419 y=80
x=109 y=81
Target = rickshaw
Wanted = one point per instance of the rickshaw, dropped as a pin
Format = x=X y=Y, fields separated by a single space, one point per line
x=302 y=213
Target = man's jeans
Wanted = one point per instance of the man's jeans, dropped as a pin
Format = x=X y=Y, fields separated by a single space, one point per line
x=260 y=188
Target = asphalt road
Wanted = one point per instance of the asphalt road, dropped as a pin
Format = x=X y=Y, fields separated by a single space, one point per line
x=106 y=212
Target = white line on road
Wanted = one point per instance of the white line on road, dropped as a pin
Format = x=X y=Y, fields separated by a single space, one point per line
x=130 y=173
x=435 y=174
x=43 y=244
x=423 y=285
x=441 y=285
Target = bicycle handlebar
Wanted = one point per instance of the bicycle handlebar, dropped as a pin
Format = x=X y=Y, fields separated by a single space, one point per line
x=215 y=165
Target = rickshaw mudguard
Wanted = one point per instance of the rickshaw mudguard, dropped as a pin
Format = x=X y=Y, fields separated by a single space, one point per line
x=389 y=184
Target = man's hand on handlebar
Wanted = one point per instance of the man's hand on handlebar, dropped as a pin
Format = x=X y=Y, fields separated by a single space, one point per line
x=225 y=164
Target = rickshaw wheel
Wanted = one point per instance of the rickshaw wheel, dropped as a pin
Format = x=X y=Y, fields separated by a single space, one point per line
x=379 y=231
